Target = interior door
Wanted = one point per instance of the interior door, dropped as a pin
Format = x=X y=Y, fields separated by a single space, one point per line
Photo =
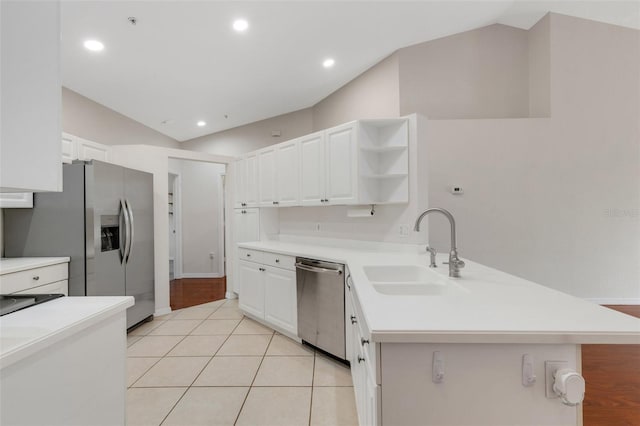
x=139 y=259
x=104 y=194
x=312 y=172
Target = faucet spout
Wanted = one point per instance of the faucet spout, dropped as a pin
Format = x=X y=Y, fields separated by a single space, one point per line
x=455 y=264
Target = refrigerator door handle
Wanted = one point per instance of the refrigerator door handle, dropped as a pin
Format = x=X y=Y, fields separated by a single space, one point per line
x=123 y=224
x=130 y=234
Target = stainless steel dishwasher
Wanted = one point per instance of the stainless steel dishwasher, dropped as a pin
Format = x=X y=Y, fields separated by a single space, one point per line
x=321 y=305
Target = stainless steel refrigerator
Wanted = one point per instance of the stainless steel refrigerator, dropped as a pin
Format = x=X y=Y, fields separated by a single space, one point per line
x=103 y=220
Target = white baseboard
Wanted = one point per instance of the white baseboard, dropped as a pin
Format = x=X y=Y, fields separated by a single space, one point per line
x=162 y=311
x=615 y=301
x=230 y=295
x=200 y=275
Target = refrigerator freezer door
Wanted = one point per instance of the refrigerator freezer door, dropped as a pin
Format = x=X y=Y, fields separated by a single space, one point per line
x=104 y=190
x=139 y=258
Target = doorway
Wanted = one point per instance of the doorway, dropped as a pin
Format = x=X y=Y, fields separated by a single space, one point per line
x=196 y=232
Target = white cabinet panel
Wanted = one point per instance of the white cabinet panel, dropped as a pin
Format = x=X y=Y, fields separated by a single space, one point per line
x=30 y=96
x=59 y=287
x=69 y=152
x=88 y=150
x=280 y=305
x=341 y=165
x=239 y=176
x=312 y=169
x=16 y=199
x=287 y=173
x=251 y=180
x=267 y=177
x=252 y=288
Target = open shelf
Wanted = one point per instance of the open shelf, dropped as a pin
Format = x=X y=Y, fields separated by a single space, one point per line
x=383 y=161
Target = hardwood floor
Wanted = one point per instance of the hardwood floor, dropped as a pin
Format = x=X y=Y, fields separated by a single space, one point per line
x=187 y=292
x=612 y=373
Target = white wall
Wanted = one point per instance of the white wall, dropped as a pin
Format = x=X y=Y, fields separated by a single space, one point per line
x=201 y=211
x=156 y=160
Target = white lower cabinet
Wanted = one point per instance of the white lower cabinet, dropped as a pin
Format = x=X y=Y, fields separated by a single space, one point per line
x=267 y=292
x=251 y=280
x=362 y=353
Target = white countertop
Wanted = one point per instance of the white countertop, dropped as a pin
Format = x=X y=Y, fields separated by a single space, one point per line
x=17 y=264
x=33 y=329
x=484 y=306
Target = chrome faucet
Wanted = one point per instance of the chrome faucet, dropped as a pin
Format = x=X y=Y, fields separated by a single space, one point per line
x=455 y=264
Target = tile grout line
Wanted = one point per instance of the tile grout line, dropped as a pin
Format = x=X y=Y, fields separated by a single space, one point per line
x=313 y=379
x=198 y=375
x=253 y=381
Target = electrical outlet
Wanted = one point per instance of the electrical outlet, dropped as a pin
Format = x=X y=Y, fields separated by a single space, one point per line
x=404 y=230
x=212 y=255
x=550 y=367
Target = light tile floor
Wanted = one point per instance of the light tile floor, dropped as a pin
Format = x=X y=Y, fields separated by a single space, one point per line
x=210 y=365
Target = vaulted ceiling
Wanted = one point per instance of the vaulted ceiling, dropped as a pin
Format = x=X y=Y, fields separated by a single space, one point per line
x=182 y=62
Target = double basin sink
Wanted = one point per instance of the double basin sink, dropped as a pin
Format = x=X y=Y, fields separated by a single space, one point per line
x=405 y=280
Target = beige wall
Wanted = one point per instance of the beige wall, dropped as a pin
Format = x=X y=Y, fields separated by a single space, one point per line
x=373 y=94
x=554 y=200
x=476 y=74
x=239 y=140
x=539 y=44
x=90 y=120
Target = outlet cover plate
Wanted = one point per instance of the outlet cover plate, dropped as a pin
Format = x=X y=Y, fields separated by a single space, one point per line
x=551 y=367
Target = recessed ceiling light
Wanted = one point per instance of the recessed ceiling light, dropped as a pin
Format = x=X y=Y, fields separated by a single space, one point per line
x=94 y=45
x=240 y=25
x=328 y=63
x=201 y=123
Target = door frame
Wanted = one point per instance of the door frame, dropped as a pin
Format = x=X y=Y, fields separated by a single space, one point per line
x=177 y=218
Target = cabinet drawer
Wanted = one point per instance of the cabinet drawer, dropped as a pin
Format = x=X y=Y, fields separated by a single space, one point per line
x=250 y=255
x=24 y=280
x=368 y=348
x=60 y=287
x=279 y=260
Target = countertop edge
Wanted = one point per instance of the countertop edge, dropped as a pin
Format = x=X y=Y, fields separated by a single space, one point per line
x=21 y=352
x=26 y=263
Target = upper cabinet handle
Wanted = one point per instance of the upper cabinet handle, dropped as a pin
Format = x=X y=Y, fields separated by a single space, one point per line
x=36 y=278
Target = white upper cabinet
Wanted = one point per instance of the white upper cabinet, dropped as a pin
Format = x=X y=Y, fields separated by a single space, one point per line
x=267 y=177
x=361 y=162
x=30 y=95
x=312 y=169
x=288 y=173
x=341 y=165
x=251 y=180
x=239 y=176
x=88 y=150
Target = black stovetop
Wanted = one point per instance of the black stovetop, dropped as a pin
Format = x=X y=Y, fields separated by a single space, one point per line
x=14 y=302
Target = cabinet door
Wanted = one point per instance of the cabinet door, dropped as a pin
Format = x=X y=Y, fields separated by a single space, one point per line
x=88 y=150
x=312 y=169
x=251 y=180
x=251 y=225
x=239 y=177
x=68 y=149
x=341 y=164
x=251 y=280
x=280 y=303
x=287 y=174
x=267 y=177
x=30 y=96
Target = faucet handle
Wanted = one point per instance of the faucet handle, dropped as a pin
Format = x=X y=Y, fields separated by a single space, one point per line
x=432 y=252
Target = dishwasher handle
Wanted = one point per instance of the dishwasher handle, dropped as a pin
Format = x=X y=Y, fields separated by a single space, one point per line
x=316 y=269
